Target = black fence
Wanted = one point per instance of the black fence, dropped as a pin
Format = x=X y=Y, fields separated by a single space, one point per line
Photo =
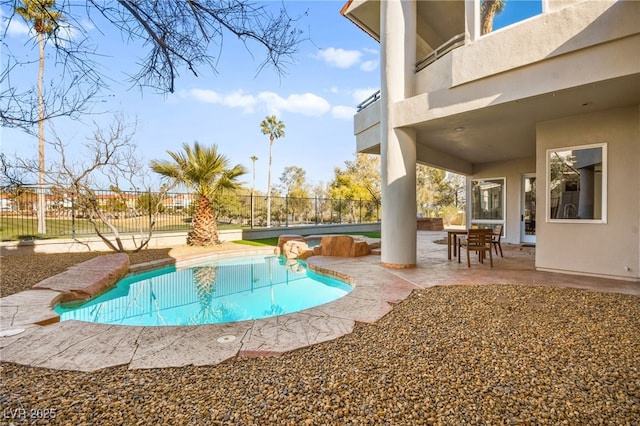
x=70 y=216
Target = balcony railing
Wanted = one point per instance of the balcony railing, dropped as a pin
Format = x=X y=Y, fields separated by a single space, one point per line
x=369 y=101
x=453 y=43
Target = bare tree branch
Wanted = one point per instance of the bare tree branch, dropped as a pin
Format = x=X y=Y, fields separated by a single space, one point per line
x=111 y=153
x=76 y=86
x=11 y=174
x=178 y=35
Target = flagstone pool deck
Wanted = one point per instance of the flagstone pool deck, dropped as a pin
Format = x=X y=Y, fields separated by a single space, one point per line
x=75 y=345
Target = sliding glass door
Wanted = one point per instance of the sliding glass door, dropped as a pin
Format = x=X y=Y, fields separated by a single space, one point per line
x=488 y=201
x=528 y=209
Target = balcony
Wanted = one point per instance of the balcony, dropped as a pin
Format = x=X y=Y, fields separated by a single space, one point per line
x=453 y=43
x=475 y=102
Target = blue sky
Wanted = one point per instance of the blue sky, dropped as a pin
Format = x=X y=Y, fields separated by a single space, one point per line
x=337 y=68
x=515 y=11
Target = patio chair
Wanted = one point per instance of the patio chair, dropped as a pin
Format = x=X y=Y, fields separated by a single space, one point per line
x=477 y=240
x=495 y=239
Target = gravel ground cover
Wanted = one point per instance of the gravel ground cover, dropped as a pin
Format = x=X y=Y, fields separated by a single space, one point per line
x=20 y=272
x=446 y=355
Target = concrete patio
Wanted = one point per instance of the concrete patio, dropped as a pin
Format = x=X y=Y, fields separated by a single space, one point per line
x=73 y=345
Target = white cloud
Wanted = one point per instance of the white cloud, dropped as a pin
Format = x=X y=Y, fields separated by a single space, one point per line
x=359 y=95
x=343 y=112
x=235 y=99
x=203 y=95
x=305 y=103
x=239 y=99
x=87 y=24
x=339 y=57
x=369 y=66
x=68 y=32
x=17 y=26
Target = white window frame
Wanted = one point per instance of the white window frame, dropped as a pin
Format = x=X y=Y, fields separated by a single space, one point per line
x=604 y=208
x=476 y=9
x=471 y=221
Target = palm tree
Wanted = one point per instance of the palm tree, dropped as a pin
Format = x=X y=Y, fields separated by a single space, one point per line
x=275 y=129
x=204 y=278
x=45 y=21
x=208 y=173
x=488 y=10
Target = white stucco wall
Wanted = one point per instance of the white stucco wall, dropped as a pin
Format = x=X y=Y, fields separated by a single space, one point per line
x=576 y=43
x=366 y=125
x=512 y=171
x=573 y=28
x=602 y=34
x=607 y=249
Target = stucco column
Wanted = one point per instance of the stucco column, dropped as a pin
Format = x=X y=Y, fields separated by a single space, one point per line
x=398 y=146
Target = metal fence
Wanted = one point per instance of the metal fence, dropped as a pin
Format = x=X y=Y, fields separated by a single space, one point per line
x=70 y=216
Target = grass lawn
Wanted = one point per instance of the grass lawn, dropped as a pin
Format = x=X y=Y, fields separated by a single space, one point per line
x=17 y=228
x=367 y=234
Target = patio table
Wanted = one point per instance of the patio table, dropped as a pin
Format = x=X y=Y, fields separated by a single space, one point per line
x=452 y=236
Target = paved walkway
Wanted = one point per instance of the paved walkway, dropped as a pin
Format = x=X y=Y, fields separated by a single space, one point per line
x=73 y=345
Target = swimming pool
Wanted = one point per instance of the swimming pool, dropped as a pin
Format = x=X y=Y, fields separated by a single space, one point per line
x=210 y=292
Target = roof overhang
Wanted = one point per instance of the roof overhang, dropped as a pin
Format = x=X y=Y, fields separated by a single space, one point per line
x=365 y=14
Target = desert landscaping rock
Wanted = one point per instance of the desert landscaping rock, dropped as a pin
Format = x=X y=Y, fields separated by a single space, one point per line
x=446 y=355
x=294 y=249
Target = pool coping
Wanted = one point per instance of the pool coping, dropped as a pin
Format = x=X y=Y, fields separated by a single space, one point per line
x=82 y=346
x=72 y=345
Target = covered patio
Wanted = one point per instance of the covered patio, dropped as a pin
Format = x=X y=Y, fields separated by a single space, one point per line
x=516 y=267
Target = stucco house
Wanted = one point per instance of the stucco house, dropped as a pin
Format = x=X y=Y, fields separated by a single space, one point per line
x=541 y=113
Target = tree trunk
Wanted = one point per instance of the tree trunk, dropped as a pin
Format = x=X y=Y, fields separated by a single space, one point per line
x=487 y=17
x=205 y=281
x=269 y=184
x=205 y=230
x=42 y=224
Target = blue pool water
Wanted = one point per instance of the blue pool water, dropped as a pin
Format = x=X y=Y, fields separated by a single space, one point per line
x=214 y=292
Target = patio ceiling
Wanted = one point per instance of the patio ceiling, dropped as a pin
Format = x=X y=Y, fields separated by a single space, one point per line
x=508 y=130
x=438 y=21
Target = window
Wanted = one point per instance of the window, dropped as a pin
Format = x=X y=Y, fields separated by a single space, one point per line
x=488 y=201
x=496 y=14
x=577 y=184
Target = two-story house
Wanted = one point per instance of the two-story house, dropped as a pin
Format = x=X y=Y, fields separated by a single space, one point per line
x=541 y=113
